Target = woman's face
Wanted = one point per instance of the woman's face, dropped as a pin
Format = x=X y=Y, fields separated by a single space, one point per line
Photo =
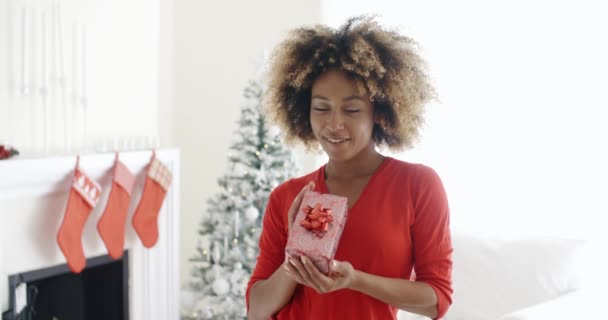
x=342 y=118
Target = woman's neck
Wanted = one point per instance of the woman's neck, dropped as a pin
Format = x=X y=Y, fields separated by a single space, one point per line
x=362 y=165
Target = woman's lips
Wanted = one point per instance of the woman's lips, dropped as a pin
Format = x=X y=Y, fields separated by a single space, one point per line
x=336 y=140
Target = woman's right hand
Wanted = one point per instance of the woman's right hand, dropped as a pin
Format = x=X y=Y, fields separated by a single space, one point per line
x=295 y=205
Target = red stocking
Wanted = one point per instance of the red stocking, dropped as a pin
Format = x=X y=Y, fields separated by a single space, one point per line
x=145 y=219
x=111 y=226
x=83 y=197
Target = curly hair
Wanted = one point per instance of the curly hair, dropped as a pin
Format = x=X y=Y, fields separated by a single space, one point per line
x=383 y=62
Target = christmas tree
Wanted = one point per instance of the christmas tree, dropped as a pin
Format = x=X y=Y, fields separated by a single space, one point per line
x=230 y=230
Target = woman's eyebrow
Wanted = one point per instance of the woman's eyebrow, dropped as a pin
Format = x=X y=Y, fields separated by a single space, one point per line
x=353 y=97
x=316 y=96
x=349 y=98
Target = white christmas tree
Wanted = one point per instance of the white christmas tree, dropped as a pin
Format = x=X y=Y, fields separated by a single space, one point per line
x=229 y=231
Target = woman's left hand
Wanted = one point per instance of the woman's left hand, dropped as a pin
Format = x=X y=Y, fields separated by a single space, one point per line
x=305 y=272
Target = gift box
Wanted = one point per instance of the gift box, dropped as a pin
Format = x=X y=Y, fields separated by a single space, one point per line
x=317 y=228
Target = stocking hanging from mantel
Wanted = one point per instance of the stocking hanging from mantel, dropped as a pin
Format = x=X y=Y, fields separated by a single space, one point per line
x=111 y=226
x=145 y=219
x=84 y=195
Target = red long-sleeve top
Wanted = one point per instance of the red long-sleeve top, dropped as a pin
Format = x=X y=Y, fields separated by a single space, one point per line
x=399 y=223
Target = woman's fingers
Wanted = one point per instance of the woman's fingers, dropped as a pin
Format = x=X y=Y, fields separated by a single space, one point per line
x=293 y=271
x=320 y=282
x=299 y=272
x=304 y=271
x=297 y=201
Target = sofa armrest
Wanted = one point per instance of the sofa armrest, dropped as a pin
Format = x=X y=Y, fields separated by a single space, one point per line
x=574 y=305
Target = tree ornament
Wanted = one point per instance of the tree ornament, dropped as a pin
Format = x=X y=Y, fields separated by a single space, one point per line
x=221 y=286
x=252 y=213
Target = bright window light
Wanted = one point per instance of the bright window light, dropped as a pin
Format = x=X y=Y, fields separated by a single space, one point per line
x=519 y=136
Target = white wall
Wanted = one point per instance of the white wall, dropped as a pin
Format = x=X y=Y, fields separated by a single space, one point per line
x=166 y=66
x=219 y=46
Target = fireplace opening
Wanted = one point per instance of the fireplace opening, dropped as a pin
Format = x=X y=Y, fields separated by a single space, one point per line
x=99 y=292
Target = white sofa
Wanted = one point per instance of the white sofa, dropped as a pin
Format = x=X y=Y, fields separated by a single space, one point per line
x=533 y=278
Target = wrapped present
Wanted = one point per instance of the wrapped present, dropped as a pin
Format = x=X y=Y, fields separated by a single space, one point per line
x=317 y=228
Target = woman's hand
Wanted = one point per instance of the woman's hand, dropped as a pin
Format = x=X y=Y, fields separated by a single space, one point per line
x=305 y=272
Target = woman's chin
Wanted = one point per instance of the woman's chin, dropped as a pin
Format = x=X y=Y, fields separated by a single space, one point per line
x=338 y=155
x=335 y=151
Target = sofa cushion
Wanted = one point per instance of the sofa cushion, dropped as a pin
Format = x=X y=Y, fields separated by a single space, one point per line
x=580 y=304
x=494 y=276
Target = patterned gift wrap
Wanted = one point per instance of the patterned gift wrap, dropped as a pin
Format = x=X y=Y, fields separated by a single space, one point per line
x=317 y=228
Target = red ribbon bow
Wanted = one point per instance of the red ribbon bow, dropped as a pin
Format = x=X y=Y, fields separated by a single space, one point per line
x=317 y=219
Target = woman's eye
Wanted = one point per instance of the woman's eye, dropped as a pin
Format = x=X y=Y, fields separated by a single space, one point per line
x=320 y=109
x=352 y=110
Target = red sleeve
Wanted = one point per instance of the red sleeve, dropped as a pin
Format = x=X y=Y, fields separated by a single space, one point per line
x=431 y=237
x=272 y=241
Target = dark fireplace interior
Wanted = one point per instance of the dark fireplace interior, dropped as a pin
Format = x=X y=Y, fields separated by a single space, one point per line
x=99 y=292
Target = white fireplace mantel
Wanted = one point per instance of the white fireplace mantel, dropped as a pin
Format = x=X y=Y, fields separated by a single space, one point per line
x=33 y=194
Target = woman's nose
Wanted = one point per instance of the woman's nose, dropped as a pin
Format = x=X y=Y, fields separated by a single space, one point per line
x=336 y=122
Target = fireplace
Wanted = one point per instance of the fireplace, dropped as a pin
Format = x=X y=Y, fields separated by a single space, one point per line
x=99 y=292
x=33 y=194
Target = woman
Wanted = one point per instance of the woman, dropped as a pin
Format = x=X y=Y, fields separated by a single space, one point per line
x=349 y=91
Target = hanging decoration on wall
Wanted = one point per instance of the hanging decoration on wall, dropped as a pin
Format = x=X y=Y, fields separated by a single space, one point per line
x=145 y=218
x=49 y=57
x=47 y=77
x=84 y=196
x=111 y=225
